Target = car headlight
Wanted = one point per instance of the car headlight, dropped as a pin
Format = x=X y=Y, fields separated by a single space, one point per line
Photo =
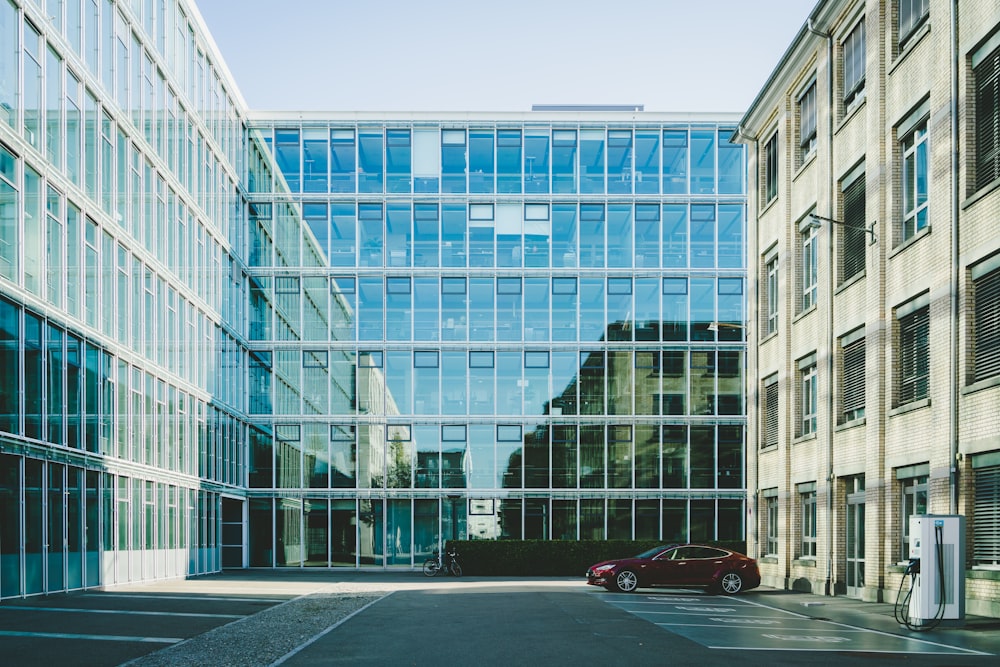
x=602 y=568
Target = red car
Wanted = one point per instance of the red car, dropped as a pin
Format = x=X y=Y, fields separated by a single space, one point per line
x=718 y=570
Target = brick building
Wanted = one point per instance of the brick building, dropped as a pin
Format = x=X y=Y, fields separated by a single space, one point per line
x=874 y=326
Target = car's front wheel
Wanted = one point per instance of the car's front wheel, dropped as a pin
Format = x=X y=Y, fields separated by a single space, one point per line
x=626 y=581
x=731 y=583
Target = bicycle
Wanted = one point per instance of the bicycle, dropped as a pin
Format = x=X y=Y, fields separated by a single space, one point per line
x=438 y=565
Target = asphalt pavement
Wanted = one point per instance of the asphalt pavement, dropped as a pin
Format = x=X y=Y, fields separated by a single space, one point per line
x=300 y=618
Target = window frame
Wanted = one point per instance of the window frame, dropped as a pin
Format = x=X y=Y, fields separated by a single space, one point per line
x=807 y=521
x=910 y=490
x=808 y=400
x=913 y=351
x=771 y=518
x=985 y=278
x=853 y=57
x=852 y=376
x=808 y=266
x=771 y=287
x=806 y=110
x=914 y=148
x=986 y=82
x=769 y=175
x=853 y=233
x=909 y=20
x=771 y=425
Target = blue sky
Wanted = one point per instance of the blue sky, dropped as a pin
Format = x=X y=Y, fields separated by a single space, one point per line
x=464 y=55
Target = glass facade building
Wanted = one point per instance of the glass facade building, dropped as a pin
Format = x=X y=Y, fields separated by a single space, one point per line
x=233 y=339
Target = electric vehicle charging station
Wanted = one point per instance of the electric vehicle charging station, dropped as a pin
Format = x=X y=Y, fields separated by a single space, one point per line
x=937 y=572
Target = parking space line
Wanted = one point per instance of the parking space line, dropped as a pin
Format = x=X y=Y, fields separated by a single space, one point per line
x=876 y=632
x=195 y=598
x=107 y=638
x=121 y=611
x=715 y=625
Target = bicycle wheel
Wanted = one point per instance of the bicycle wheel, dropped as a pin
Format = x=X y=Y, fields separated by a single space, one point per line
x=431 y=567
x=456 y=569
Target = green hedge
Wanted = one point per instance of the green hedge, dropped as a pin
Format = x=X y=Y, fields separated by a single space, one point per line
x=549 y=558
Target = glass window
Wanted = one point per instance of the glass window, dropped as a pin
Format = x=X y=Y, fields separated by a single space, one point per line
x=509 y=161
x=769 y=176
x=481 y=161
x=807 y=123
x=771 y=285
x=564 y=161
x=343 y=161
x=703 y=162
x=808 y=397
x=807 y=504
x=913 y=502
x=914 y=173
x=315 y=160
x=592 y=157
x=809 y=258
x=912 y=14
x=771 y=525
x=620 y=162
x=853 y=62
x=675 y=161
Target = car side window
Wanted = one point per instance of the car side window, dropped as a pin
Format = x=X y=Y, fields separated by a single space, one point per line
x=708 y=552
x=669 y=554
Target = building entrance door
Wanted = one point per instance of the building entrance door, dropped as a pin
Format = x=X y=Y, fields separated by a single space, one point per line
x=855 y=539
x=232 y=532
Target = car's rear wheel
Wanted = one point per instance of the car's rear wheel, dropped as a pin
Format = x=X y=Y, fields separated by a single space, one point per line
x=626 y=581
x=730 y=583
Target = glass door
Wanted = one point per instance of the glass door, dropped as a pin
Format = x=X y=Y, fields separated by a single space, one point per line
x=855 y=538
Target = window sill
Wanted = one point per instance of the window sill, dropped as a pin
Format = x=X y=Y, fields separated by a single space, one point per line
x=804 y=438
x=767 y=206
x=768 y=337
x=768 y=449
x=910 y=407
x=769 y=560
x=806 y=161
x=801 y=314
x=984 y=191
x=981 y=385
x=806 y=561
x=910 y=45
x=854 y=423
x=851 y=111
x=856 y=278
x=903 y=245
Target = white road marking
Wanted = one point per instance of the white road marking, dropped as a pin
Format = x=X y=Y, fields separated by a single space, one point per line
x=122 y=611
x=106 y=638
x=196 y=598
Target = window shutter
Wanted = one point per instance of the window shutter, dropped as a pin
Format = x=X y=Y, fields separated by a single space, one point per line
x=987 y=334
x=987 y=77
x=914 y=335
x=771 y=415
x=854 y=377
x=854 y=229
x=986 y=524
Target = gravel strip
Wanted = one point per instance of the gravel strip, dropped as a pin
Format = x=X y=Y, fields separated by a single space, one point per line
x=266 y=636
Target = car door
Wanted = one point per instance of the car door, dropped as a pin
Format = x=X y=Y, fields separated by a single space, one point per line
x=702 y=564
x=665 y=568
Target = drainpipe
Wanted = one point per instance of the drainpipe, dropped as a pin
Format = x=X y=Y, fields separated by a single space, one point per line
x=829 y=309
x=955 y=312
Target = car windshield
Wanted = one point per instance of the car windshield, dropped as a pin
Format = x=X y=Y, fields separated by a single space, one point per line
x=651 y=552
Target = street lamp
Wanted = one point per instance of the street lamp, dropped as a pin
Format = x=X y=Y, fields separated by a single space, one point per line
x=870 y=229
